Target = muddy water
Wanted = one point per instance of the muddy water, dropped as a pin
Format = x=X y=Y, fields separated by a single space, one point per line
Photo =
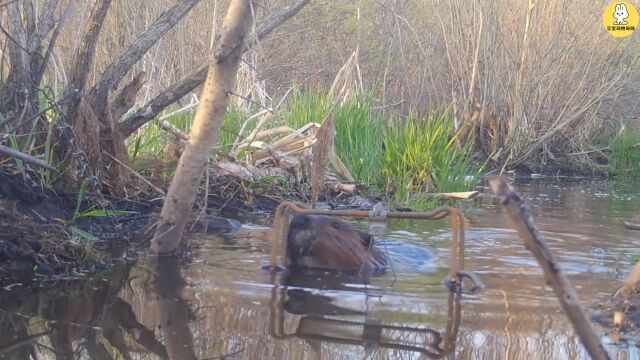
x=222 y=303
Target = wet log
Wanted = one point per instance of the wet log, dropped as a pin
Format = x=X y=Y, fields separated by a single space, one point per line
x=632 y=226
x=518 y=212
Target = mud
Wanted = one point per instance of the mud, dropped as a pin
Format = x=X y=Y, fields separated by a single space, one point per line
x=37 y=226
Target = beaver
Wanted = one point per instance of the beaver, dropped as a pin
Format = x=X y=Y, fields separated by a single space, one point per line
x=318 y=241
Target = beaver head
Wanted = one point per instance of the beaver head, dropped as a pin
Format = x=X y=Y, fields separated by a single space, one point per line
x=317 y=241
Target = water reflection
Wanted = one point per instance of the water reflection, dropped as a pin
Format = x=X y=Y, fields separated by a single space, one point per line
x=66 y=319
x=221 y=304
x=173 y=308
x=322 y=319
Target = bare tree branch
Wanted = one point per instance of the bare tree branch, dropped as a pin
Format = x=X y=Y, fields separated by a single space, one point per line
x=167 y=97
x=127 y=97
x=114 y=73
x=84 y=58
x=196 y=77
x=273 y=22
x=47 y=22
x=52 y=42
x=18 y=48
x=29 y=17
x=26 y=158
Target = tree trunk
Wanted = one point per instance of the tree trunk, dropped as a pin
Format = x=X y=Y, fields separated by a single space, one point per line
x=206 y=126
x=19 y=101
x=92 y=115
x=76 y=128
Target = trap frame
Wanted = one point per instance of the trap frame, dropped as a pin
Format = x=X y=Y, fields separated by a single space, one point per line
x=380 y=215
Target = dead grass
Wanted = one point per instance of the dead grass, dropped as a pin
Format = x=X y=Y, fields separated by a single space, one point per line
x=527 y=86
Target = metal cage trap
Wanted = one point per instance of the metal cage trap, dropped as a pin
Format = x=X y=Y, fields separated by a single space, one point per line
x=378 y=217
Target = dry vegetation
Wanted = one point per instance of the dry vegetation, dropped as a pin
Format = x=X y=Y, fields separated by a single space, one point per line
x=529 y=84
x=543 y=83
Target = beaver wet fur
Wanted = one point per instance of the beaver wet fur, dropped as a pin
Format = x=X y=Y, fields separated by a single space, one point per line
x=318 y=241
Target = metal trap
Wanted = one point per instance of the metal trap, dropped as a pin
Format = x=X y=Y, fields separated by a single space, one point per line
x=378 y=217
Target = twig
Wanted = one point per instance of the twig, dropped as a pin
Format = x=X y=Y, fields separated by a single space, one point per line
x=26 y=158
x=519 y=214
x=382 y=107
x=606 y=148
x=157 y=189
x=251 y=101
x=21 y=342
x=168 y=127
x=206 y=196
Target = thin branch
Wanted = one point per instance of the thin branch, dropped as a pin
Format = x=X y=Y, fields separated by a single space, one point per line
x=26 y=158
x=84 y=58
x=52 y=42
x=135 y=173
x=273 y=22
x=116 y=71
x=519 y=214
x=167 y=97
x=196 y=77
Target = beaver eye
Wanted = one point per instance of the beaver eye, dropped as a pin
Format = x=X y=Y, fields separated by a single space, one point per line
x=335 y=225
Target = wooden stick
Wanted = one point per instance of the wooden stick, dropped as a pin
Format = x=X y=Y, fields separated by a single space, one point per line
x=26 y=158
x=465 y=195
x=519 y=214
x=157 y=189
x=631 y=284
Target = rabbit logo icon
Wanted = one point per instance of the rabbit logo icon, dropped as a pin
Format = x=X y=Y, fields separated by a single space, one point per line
x=620 y=19
x=620 y=14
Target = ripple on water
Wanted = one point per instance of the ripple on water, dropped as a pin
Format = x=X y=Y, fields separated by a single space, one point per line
x=236 y=304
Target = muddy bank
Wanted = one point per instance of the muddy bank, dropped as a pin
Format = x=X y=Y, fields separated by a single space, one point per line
x=41 y=232
x=33 y=236
x=44 y=231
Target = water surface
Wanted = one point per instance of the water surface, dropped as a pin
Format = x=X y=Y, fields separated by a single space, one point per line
x=223 y=304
